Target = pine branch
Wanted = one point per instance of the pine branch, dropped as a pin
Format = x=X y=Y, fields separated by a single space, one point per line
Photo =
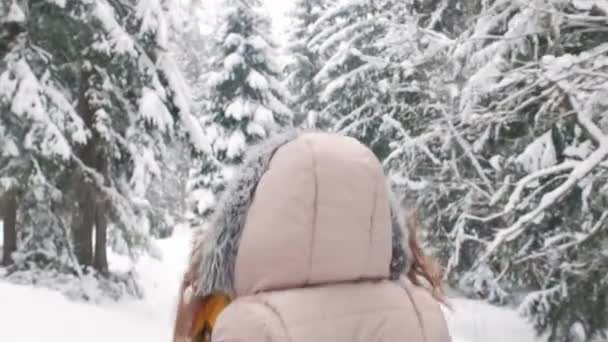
x=582 y=169
x=583 y=117
x=437 y=15
x=396 y=125
x=521 y=185
x=597 y=227
x=550 y=199
x=468 y=149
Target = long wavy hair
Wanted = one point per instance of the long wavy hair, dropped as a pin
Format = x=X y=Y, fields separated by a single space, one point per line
x=425 y=270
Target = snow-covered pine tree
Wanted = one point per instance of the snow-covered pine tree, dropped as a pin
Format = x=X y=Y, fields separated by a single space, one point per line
x=502 y=150
x=90 y=100
x=383 y=76
x=192 y=47
x=305 y=63
x=527 y=131
x=414 y=150
x=246 y=98
x=38 y=126
x=189 y=45
x=450 y=17
x=355 y=78
x=12 y=27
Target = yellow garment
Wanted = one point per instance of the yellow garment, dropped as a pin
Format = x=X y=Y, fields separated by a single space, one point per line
x=204 y=319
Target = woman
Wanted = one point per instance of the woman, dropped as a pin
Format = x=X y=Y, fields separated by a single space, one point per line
x=307 y=245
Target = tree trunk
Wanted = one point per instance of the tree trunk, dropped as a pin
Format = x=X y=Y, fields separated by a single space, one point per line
x=83 y=232
x=8 y=208
x=101 y=228
x=85 y=190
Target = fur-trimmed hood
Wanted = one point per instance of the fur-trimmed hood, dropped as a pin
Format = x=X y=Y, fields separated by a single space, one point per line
x=304 y=209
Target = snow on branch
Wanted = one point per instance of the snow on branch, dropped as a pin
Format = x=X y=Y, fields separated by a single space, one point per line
x=583 y=118
x=468 y=149
x=409 y=140
x=340 y=9
x=558 y=75
x=549 y=199
x=521 y=185
x=345 y=34
x=122 y=41
x=337 y=84
x=437 y=15
x=577 y=240
x=183 y=101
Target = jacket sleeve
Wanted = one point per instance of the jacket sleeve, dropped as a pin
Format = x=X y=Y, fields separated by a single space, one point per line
x=247 y=320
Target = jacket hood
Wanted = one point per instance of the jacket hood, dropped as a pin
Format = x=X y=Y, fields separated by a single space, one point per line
x=304 y=209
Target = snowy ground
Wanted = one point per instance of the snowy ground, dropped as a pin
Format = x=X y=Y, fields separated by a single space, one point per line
x=31 y=314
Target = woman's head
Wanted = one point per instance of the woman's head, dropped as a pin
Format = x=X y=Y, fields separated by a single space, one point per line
x=305 y=209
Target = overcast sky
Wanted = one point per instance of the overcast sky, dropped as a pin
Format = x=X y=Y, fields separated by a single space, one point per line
x=278 y=10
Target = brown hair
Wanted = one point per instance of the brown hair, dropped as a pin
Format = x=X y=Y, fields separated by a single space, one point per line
x=187 y=306
x=424 y=268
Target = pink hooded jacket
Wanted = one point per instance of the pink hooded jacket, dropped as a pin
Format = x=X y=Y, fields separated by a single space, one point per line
x=309 y=242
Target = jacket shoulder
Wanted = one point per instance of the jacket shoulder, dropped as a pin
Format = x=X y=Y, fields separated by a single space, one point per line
x=429 y=312
x=249 y=320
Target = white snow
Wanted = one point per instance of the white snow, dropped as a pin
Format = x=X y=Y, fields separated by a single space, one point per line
x=276 y=106
x=120 y=39
x=256 y=129
x=145 y=167
x=15 y=14
x=539 y=154
x=238 y=109
x=102 y=124
x=257 y=81
x=233 y=60
x=153 y=20
x=204 y=199
x=27 y=99
x=236 y=144
x=9 y=148
x=587 y=4
x=60 y=3
x=37 y=314
x=183 y=100
x=152 y=109
x=263 y=116
x=29 y=102
x=257 y=42
x=233 y=40
x=474 y=321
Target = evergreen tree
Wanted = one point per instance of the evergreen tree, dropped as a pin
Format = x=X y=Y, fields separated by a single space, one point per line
x=343 y=37
x=362 y=66
x=306 y=63
x=38 y=126
x=517 y=129
x=450 y=17
x=532 y=113
x=493 y=124
x=246 y=98
x=90 y=98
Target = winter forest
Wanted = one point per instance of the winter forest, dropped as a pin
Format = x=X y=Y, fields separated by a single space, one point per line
x=121 y=120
